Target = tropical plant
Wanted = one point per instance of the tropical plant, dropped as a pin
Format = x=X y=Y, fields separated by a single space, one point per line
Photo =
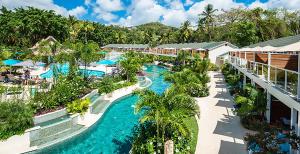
x=130 y=66
x=164 y=114
x=78 y=106
x=15 y=118
x=207 y=17
x=106 y=85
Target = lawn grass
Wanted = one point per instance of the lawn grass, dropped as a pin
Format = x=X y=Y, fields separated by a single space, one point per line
x=192 y=125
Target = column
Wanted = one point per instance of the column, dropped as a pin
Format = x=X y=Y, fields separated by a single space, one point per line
x=269 y=66
x=298 y=85
x=294 y=119
x=268 y=112
x=245 y=80
x=298 y=128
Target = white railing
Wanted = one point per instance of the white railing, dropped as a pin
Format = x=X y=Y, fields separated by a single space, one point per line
x=284 y=79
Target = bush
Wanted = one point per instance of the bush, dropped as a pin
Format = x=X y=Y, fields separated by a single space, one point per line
x=15 y=118
x=255 y=123
x=197 y=90
x=213 y=67
x=78 y=106
x=64 y=91
x=106 y=86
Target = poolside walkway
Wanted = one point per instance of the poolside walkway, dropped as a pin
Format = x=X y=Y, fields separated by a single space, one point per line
x=220 y=130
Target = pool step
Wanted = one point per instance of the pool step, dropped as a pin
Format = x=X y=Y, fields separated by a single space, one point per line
x=100 y=106
x=55 y=137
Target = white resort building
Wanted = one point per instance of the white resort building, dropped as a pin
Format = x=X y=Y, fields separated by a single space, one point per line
x=217 y=52
x=274 y=66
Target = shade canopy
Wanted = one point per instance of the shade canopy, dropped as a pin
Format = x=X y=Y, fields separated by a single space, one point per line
x=29 y=63
x=11 y=62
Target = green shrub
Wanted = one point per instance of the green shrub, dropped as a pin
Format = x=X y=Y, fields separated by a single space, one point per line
x=106 y=86
x=64 y=91
x=15 y=118
x=197 y=90
x=213 y=67
x=78 y=106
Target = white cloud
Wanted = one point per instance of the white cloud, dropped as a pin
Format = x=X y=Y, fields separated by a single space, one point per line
x=42 y=4
x=287 y=4
x=78 y=11
x=142 y=11
x=188 y=2
x=110 y=5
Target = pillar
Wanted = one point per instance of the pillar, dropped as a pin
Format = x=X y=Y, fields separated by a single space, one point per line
x=298 y=85
x=245 y=80
x=269 y=66
x=268 y=112
x=294 y=119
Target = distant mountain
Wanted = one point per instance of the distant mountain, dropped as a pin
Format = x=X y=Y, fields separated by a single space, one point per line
x=154 y=27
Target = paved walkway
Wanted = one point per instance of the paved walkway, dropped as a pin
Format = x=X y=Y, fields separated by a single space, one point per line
x=220 y=130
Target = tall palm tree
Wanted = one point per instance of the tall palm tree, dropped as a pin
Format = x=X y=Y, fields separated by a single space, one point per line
x=207 y=17
x=183 y=57
x=185 y=32
x=166 y=112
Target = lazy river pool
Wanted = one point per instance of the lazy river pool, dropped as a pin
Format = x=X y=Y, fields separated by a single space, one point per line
x=113 y=132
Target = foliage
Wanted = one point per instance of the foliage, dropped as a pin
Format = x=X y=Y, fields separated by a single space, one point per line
x=65 y=91
x=15 y=118
x=188 y=82
x=163 y=120
x=268 y=141
x=26 y=26
x=106 y=85
x=130 y=66
x=78 y=106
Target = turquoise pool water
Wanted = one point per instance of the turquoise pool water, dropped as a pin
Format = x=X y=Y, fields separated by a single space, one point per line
x=112 y=133
x=64 y=69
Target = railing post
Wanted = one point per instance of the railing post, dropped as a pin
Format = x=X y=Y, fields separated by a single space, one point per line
x=269 y=66
x=298 y=83
x=275 y=76
x=285 y=79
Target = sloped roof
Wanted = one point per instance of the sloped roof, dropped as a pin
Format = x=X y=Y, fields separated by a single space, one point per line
x=126 y=46
x=284 y=41
x=203 y=45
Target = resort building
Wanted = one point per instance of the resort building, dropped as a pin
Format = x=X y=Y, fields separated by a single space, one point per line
x=126 y=47
x=215 y=51
x=274 y=66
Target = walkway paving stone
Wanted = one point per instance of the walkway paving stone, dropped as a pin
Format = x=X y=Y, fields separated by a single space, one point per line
x=220 y=131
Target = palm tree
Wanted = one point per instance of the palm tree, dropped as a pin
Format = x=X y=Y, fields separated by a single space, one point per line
x=183 y=57
x=207 y=17
x=185 y=32
x=130 y=67
x=166 y=112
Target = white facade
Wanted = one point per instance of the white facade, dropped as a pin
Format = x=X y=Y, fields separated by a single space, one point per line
x=218 y=52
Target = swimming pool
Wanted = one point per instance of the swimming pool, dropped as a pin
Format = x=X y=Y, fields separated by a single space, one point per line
x=112 y=133
x=64 y=69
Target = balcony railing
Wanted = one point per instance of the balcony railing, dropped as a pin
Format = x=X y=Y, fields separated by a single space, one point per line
x=286 y=80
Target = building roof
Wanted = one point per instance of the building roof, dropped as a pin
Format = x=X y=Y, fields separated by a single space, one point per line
x=284 y=41
x=137 y=46
x=197 y=46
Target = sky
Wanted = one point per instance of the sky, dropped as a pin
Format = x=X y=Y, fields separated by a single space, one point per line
x=135 y=12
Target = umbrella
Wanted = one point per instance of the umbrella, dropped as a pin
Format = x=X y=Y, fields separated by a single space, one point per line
x=29 y=63
x=11 y=62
